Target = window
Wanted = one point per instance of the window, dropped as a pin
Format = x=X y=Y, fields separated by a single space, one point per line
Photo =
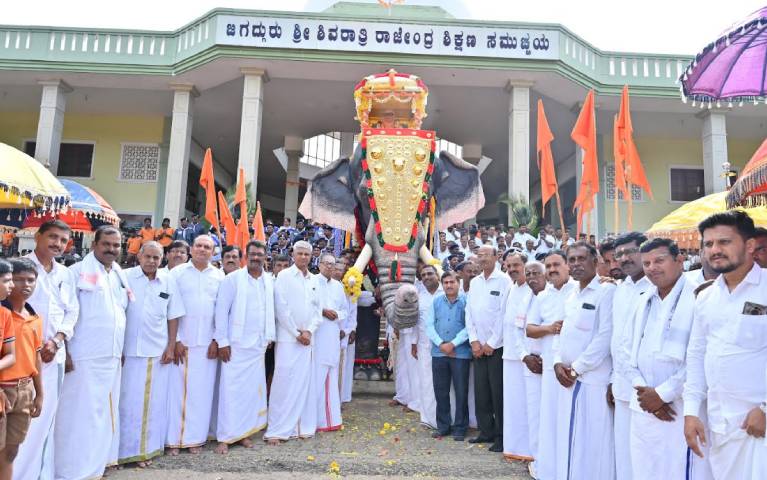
x=139 y=162
x=322 y=150
x=75 y=158
x=686 y=184
x=636 y=191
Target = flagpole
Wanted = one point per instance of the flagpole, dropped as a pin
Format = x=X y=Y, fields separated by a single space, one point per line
x=630 y=207
x=559 y=209
x=615 y=208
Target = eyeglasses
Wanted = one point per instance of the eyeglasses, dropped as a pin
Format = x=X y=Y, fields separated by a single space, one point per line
x=626 y=252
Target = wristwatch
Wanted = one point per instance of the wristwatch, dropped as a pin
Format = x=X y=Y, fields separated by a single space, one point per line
x=573 y=373
x=763 y=407
x=59 y=343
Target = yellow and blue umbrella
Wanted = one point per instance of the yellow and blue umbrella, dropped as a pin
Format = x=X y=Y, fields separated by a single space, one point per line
x=25 y=183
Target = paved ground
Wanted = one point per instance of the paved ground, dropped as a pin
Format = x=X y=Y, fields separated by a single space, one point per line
x=377 y=440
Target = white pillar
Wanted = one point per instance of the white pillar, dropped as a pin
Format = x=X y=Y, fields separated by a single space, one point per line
x=294 y=149
x=519 y=140
x=714 y=151
x=250 y=126
x=51 y=123
x=178 y=151
x=347 y=144
x=162 y=173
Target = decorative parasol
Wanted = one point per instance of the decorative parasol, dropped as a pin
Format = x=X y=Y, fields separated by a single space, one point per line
x=681 y=225
x=26 y=183
x=750 y=190
x=730 y=69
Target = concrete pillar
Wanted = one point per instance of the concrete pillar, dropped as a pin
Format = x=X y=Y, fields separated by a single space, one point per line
x=178 y=151
x=519 y=140
x=347 y=144
x=294 y=149
x=714 y=151
x=162 y=173
x=51 y=123
x=250 y=126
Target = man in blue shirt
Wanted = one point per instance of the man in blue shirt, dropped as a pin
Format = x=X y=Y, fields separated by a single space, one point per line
x=451 y=357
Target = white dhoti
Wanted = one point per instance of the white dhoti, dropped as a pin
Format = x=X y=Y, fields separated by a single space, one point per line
x=402 y=392
x=191 y=386
x=293 y=400
x=737 y=455
x=546 y=456
x=533 y=392
x=426 y=398
x=516 y=442
x=327 y=358
x=88 y=421
x=242 y=395
x=346 y=370
x=585 y=448
x=35 y=458
x=660 y=446
x=622 y=432
x=143 y=409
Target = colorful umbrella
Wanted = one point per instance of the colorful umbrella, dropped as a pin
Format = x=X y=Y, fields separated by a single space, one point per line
x=681 y=225
x=750 y=189
x=26 y=183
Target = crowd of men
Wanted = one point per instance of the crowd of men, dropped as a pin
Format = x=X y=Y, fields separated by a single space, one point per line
x=587 y=362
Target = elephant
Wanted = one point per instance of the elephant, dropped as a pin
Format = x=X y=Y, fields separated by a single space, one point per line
x=338 y=196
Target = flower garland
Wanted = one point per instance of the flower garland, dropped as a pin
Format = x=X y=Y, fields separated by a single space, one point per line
x=353 y=291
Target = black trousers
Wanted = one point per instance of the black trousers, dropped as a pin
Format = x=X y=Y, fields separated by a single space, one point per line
x=488 y=395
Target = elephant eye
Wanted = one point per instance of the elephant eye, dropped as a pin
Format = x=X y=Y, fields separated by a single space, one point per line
x=343 y=180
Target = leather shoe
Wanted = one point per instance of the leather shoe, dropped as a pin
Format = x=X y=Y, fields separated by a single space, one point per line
x=496 y=447
x=480 y=439
x=439 y=434
x=458 y=438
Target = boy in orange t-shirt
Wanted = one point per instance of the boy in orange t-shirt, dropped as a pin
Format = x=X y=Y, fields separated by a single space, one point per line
x=22 y=383
x=164 y=234
x=8 y=356
x=134 y=245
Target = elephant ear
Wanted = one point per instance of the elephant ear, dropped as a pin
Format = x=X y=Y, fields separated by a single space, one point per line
x=330 y=198
x=457 y=189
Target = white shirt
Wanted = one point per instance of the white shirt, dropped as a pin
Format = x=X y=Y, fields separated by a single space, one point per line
x=425 y=299
x=100 y=328
x=55 y=301
x=296 y=303
x=254 y=328
x=198 y=291
x=548 y=308
x=522 y=239
x=559 y=245
x=584 y=342
x=326 y=339
x=543 y=248
x=514 y=318
x=485 y=305
x=727 y=355
x=628 y=295
x=156 y=302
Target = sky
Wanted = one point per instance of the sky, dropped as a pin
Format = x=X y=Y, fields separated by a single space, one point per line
x=649 y=26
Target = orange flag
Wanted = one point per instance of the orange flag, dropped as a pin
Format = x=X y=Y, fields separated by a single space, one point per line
x=545 y=157
x=208 y=182
x=258 y=225
x=240 y=198
x=584 y=134
x=620 y=161
x=226 y=219
x=634 y=171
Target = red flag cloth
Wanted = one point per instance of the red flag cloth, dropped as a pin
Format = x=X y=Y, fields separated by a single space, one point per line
x=226 y=219
x=240 y=198
x=545 y=157
x=258 y=225
x=584 y=134
x=634 y=171
x=207 y=181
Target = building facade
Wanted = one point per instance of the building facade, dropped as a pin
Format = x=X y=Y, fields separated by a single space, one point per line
x=129 y=113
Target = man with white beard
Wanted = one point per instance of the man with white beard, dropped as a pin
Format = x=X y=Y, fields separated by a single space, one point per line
x=293 y=397
x=244 y=328
x=327 y=347
x=150 y=345
x=346 y=364
x=516 y=441
x=582 y=365
x=421 y=347
x=192 y=380
x=655 y=345
x=544 y=323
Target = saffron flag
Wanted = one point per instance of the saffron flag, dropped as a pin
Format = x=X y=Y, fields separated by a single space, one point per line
x=632 y=165
x=620 y=161
x=227 y=220
x=241 y=199
x=545 y=157
x=584 y=134
x=208 y=183
x=258 y=225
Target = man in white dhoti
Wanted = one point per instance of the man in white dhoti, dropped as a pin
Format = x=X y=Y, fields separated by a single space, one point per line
x=421 y=348
x=327 y=347
x=348 y=333
x=87 y=430
x=516 y=439
x=191 y=384
x=150 y=344
x=625 y=300
x=55 y=302
x=544 y=323
x=400 y=345
x=655 y=345
x=244 y=328
x=292 y=402
x=582 y=365
x=727 y=354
